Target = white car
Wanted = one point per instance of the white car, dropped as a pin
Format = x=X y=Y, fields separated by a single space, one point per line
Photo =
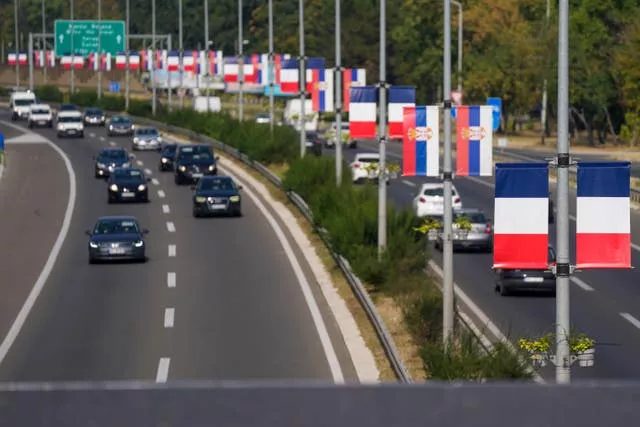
x=40 y=115
x=70 y=123
x=430 y=201
x=331 y=136
x=360 y=167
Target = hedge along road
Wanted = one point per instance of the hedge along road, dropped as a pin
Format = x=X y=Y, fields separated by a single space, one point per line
x=218 y=299
x=604 y=303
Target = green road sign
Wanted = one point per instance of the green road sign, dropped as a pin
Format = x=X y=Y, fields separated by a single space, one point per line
x=83 y=40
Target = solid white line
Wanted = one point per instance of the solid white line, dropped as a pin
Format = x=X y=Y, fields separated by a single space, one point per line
x=102 y=138
x=635 y=322
x=163 y=370
x=312 y=304
x=148 y=171
x=581 y=283
x=139 y=162
x=111 y=143
x=165 y=209
x=161 y=194
x=172 y=250
x=171 y=227
x=169 y=316
x=155 y=181
x=409 y=183
x=21 y=318
x=171 y=280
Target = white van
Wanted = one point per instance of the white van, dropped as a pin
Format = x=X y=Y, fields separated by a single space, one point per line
x=69 y=123
x=20 y=103
x=40 y=115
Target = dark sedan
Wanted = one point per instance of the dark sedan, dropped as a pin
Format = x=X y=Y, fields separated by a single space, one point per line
x=128 y=184
x=120 y=126
x=108 y=159
x=509 y=281
x=314 y=143
x=167 y=157
x=115 y=238
x=94 y=117
x=193 y=162
x=216 y=195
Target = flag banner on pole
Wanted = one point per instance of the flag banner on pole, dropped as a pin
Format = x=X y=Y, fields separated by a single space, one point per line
x=399 y=97
x=421 y=138
x=260 y=64
x=39 y=58
x=363 y=112
x=474 y=140
x=352 y=77
x=66 y=61
x=173 y=61
x=189 y=61
x=23 y=58
x=12 y=58
x=231 y=69
x=603 y=215
x=121 y=60
x=51 y=58
x=289 y=76
x=322 y=91
x=250 y=75
x=134 y=60
x=314 y=68
x=106 y=61
x=521 y=228
x=92 y=61
x=78 y=61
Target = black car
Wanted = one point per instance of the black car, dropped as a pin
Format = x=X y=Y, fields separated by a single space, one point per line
x=121 y=126
x=167 y=156
x=128 y=184
x=115 y=238
x=94 y=117
x=194 y=161
x=509 y=281
x=314 y=143
x=108 y=159
x=216 y=195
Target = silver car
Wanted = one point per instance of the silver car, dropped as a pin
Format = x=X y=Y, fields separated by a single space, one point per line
x=146 y=138
x=480 y=237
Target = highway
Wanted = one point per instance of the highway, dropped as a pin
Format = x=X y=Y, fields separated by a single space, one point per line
x=218 y=299
x=605 y=304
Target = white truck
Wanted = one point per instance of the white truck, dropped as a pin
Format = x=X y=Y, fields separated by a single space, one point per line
x=20 y=103
x=69 y=123
x=292 y=115
x=40 y=115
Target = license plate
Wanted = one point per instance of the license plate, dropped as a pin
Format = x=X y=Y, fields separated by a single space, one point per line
x=71 y=131
x=116 y=251
x=533 y=279
x=460 y=236
x=197 y=175
x=218 y=206
x=42 y=122
x=128 y=195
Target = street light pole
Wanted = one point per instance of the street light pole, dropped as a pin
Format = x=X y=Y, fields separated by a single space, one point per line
x=382 y=134
x=98 y=56
x=16 y=43
x=44 y=42
x=303 y=79
x=72 y=74
x=181 y=56
x=207 y=48
x=460 y=42
x=543 y=112
x=240 y=63
x=338 y=103
x=127 y=58
x=153 y=58
x=271 y=73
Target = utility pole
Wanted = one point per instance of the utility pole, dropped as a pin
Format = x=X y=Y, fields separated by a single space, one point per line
x=127 y=58
x=72 y=75
x=338 y=104
x=181 y=56
x=382 y=134
x=543 y=112
x=302 y=79
x=240 y=63
x=30 y=60
x=207 y=48
x=460 y=40
x=99 y=53
x=153 y=58
x=563 y=267
x=272 y=71
x=16 y=43
x=447 y=177
x=44 y=41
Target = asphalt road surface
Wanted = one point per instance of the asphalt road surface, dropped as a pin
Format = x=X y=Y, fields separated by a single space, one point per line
x=605 y=304
x=218 y=298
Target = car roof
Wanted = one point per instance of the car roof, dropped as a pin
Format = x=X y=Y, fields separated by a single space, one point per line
x=110 y=149
x=195 y=145
x=130 y=168
x=23 y=94
x=37 y=106
x=118 y=218
x=146 y=128
x=361 y=155
x=214 y=177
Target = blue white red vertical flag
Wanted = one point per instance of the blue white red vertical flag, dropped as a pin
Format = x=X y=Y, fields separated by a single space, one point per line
x=474 y=140
x=121 y=60
x=363 y=111
x=314 y=68
x=188 y=62
x=231 y=69
x=216 y=62
x=322 y=91
x=521 y=228
x=65 y=61
x=421 y=137
x=289 y=76
x=603 y=216
x=173 y=61
x=77 y=61
x=12 y=58
x=23 y=59
x=399 y=97
x=134 y=60
x=356 y=77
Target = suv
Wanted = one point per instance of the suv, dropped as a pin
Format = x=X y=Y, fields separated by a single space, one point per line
x=40 y=115
x=430 y=201
x=193 y=161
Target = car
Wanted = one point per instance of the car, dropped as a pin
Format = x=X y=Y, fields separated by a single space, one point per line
x=216 y=195
x=69 y=123
x=127 y=184
x=194 y=161
x=263 y=118
x=117 y=238
x=20 y=102
x=364 y=167
x=331 y=136
x=509 y=281
x=94 y=116
x=313 y=143
x=480 y=237
x=108 y=159
x=167 y=157
x=120 y=125
x=40 y=115
x=430 y=201
x=146 y=138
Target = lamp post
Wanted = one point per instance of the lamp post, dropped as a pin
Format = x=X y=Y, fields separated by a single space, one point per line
x=382 y=133
x=240 y=63
x=72 y=74
x=543 y=112
x=44 y=41
x=207 y=47
x=460 y=42
x=338 y=99
x=98 y=56
x=271 y=73
x=181 y=55
x=153 y=58
x=15 y=41
x=127 y=58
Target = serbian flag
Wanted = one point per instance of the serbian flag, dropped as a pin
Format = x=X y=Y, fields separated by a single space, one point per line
x=121 y=61
x=51 y=58
x=189 y=60
x=322 y=91
x=260 y=68
x=12 y=58
x=399 y=97
x=521 y=229
x=314 y=68
x=474 y=142
x=352 y=77
x=173 y=61
x=23 y=59
x=363 y=111
x=38 y=58
x=289 y=76
x=603 y=219
x=421 y=141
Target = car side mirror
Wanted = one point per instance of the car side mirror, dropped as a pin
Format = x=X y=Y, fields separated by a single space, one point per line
x=239 y=187
x=217 y=157
x=145 y=231
x=87 y=232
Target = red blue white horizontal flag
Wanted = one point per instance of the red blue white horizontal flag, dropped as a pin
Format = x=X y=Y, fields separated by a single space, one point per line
x=420 y=148
x=474 y=140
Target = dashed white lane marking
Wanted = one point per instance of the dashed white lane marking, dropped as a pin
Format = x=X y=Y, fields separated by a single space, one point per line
x=582 y=284
x=163 y=370
x=155 y=181
x=161 y=194
x=111 y=143
x=171 y=280
x=148 y=171
x=166 y=209
x=102 y=138
x=409 y=183
x=92 y=135
x=635 y=322
x=169 y=316
x=139 y=163
x=172 y=250
x=171 y=227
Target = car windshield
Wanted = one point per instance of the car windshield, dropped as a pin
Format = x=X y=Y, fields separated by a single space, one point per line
x=40 y=111
x=94 y=112
x=24 y=102
x=439 y=191
x=195 y=153
x=69 y=119
x=368 y=159
x=128 y=173
x=116 y=226
x=473 y=217
x=121 y=120
x=169 y=150
x=147 y=132
x=217 y=184
x=114 y=154
x=68 y=108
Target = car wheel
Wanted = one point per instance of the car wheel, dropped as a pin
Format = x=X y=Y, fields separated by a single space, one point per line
x=177 y=180
x=238 y=213
x=195 y=213
x=143 y=260
x=30 y=125
x=504 y=291
x=81 y=134
x=92 y=260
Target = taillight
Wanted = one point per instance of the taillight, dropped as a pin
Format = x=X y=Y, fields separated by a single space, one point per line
x=457 y=200
x=423 y=200
x=356 y=165
x=487 y=229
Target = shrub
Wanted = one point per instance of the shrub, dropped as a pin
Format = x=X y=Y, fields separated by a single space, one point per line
x=49 y=93
x=84 y=98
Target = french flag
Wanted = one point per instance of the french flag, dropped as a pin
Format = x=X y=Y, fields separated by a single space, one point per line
x=474 y=141
x=134 y=60
x=363 y=110
x=189 y=60
x=521 y=229
x=23 y=59
x=603 y=220
x=322 y=91
x=12 y=58
x=231 y=69
x=77 y=61
x=421 y=138
x=399 y=97
x=352 y=77
x=173 y=61
x=121 y=61
x=289 y=76
x=66 y=61
x=314 y=68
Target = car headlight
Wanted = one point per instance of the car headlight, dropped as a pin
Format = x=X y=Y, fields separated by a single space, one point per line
x=141 y=187
x=101 y=165
x=183 y=168
x=164 y=160
x=234 y=198
x=102 y=118
x=139 y=244
x=110 y=127
x=93 y=245
x=212 y=167
x=126 y=165
x=136 y=139
x=159 y=139
x=133 y=127
x=60 y=127
x=201 y=199
x=113 y=187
